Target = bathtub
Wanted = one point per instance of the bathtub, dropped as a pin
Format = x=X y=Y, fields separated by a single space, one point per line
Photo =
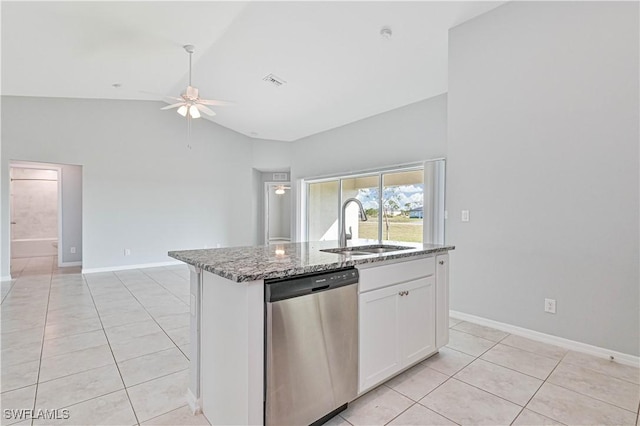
x=34 y=247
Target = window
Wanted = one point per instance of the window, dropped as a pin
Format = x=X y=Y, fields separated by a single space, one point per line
x=393 y=199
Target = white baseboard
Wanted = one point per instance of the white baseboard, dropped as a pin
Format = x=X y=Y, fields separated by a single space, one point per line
x=573 y=345
x=68 y=264
x=195 y=404
x=6 y=278
x=125 y=267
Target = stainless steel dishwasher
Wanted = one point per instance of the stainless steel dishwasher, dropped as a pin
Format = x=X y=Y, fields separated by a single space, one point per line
x=311 y=358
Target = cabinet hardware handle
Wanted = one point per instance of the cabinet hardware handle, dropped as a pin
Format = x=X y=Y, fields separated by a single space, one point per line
x=441 y=262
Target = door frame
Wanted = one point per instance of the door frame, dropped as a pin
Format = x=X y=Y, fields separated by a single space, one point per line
x=43 y=166
x=265 y=223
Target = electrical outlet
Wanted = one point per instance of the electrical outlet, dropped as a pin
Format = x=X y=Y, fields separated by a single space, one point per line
x=465 y=215
x=446 y=214
x=127 y=252
x=72 y=250
x=550 y=306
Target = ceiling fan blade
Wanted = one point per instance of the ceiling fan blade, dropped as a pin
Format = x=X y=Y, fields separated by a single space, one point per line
x=173 y=106
x=205 y=109
x=215 y=102
x=173 y=98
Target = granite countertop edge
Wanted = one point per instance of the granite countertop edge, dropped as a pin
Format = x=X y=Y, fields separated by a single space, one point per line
x=245 y=269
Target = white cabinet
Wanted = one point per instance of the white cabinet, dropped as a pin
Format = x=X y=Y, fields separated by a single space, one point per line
x=417 y=319
x=442 y=300
x=397 y=328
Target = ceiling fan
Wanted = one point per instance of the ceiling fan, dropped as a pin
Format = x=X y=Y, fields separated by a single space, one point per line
x=190 y=102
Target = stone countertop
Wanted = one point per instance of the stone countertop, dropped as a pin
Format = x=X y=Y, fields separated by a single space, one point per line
x=242 y=264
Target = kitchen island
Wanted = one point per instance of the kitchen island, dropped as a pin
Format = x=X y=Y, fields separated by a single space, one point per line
x=228 y=315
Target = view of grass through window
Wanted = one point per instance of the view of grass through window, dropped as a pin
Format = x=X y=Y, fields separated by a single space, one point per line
x=400 y=206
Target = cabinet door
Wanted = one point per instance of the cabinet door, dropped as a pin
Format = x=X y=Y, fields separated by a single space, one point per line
x=379 y=339
x=442 y=300
x=417 y=319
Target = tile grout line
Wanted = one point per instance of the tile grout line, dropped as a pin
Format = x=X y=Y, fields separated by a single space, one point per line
x=111 y=350
x=160 y=284
x=583 y=394
x=152 y=317
x=147 y=311
x=13 y=283
x=433 y=390
x=44 y=331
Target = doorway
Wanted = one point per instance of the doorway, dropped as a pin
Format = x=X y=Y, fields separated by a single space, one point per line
x=46 y=215
x=277 y=216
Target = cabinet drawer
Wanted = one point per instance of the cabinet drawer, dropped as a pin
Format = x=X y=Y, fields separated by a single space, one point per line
x=374 y=277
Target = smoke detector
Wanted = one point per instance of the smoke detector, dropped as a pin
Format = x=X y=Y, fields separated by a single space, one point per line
x=386 y=33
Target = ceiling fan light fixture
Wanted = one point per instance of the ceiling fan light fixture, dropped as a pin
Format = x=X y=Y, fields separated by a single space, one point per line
x=193 y=112
x=183 y=110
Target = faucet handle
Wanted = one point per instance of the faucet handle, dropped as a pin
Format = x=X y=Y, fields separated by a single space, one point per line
x=349 y=234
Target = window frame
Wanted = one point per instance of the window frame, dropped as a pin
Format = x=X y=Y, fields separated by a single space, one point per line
x=365 y=173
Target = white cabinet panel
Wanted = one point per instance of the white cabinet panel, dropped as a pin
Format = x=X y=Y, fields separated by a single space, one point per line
x=375 y=277
x=379 y=338
x=442 y=300
x=417 y=319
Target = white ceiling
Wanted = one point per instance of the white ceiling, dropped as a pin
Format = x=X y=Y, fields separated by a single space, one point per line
x=337 y=66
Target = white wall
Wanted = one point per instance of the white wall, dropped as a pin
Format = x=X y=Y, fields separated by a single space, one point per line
x=413 y=133
x=143 y=189
x=271 y=155
x=543 y=150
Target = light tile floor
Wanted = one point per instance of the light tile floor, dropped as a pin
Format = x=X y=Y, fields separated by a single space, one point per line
x=112 y=348
x=488 y=377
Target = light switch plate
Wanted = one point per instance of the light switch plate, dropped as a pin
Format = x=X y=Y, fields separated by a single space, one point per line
x=72 y=250
x=465 y=215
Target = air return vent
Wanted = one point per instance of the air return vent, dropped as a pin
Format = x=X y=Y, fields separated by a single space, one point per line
x=274 y=79
x=281 y=176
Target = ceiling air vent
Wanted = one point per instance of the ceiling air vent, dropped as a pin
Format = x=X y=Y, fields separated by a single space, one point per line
x=274 y=79
x=280 y=176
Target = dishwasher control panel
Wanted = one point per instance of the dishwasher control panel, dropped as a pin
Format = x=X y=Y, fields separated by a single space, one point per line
x=286 y=288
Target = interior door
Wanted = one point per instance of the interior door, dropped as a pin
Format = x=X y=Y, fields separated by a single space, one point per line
x=277 y=213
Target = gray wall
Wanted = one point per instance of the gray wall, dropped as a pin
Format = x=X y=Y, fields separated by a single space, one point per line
x=543 y=150
x=71 y=212
x=413 y=133
x=143 y=189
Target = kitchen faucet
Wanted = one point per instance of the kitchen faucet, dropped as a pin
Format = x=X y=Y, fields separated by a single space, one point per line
x=343 y=233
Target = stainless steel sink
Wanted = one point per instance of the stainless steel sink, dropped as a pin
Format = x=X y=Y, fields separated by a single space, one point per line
x=366 y=250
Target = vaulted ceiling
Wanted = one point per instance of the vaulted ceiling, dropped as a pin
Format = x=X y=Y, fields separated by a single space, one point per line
x=337 y=67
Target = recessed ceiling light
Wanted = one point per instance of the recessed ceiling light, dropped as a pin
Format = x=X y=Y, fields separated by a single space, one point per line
x=386 y=33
